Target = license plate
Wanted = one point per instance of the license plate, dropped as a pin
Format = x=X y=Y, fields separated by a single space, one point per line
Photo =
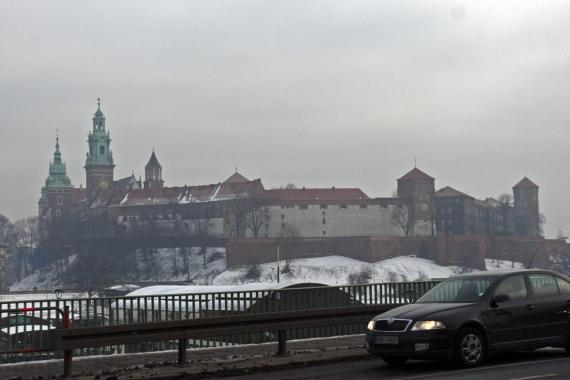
x=386 y=340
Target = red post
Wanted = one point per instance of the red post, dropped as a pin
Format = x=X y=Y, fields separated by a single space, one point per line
x=67 y=354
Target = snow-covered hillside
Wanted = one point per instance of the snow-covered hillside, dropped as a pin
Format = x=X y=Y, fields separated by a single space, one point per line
x=45 y=279
x=164 y=265
x=337 y=270
x=169 y=266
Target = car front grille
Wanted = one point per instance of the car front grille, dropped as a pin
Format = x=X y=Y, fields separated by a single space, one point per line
x=392 y=324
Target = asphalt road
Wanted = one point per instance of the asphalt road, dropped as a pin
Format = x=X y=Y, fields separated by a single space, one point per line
x=541 y=364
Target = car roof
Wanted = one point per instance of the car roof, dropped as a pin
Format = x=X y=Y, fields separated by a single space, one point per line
x=501 y=273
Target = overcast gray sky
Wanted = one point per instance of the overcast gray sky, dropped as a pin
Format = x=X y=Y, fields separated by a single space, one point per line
x=317 y=93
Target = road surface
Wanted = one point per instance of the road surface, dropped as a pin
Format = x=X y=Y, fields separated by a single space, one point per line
x=542 y=364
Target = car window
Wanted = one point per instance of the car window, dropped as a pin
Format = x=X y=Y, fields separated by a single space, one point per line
x=457 y=290
x=514 y=287
x=543 y=285
x=563 y=285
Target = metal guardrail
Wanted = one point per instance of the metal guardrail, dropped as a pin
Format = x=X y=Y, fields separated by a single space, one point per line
x=280 y=322
x=115 y=311
x=26 y=330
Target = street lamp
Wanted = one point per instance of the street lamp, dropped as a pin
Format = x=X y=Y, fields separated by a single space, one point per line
x=58 y=293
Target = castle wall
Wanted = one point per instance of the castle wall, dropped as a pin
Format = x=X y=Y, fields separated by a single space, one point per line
x=332 y=220
x=466 y=251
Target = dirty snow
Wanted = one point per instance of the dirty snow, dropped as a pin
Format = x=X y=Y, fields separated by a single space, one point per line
x=493 y=264
x=337 y=270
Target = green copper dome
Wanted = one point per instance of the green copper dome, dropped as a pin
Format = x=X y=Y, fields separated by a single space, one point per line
x=57 y=171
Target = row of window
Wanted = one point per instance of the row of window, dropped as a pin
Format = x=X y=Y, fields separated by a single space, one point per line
x=326 y=206
x=540 y=285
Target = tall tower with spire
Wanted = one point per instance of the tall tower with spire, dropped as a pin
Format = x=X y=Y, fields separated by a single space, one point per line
x=99 y=165
x=153 y=173
x=55 y=196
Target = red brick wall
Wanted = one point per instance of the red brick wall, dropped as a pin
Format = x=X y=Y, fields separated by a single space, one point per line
x=469 y=251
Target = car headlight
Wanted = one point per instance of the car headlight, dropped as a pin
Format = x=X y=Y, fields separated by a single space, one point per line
x=370 y=325
x=428 y=325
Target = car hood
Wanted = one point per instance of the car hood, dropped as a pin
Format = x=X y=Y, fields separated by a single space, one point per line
x=421 y=310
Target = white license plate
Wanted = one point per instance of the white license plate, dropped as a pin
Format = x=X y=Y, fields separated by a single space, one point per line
x=386 y=340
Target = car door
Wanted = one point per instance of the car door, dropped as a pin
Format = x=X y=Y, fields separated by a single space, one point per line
x=509 y=321
x=550 y=308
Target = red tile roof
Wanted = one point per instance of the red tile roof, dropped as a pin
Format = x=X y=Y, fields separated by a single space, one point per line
x=311 y=194
x=78 y=195
x=525 y=182
x=236 y=177
x=415 y=173
x=449 y=192
x=239 y=189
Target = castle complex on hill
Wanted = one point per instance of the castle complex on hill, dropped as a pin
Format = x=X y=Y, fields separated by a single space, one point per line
x=143 y=214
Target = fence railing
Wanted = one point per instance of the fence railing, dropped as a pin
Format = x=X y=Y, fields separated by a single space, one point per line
x=271 y=298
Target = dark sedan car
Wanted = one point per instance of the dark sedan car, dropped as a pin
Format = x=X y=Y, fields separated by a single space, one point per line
x=467 y=317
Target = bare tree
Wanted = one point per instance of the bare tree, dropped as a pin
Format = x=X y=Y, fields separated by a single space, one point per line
x=401 y=219
x=505 y=199
x=291 y=235
x=256 y=216
x=287 y=186
x=202 y=225
x=27 y=231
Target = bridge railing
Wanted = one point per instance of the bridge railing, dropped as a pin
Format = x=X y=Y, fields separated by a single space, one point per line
x=270 y=298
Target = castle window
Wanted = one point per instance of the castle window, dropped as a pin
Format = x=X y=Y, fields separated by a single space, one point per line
x=343 y=206
x=324 y=206
x=60 y=199
x=363 y=206
x=303 y=207
x=102 y=149
x=57 y=213
x=324 y=232
x=324 y=221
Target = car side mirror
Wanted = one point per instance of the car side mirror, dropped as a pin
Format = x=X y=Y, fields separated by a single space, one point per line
x=498 y=299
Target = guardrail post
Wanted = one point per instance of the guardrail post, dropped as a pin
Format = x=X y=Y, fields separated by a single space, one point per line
x=67 y=354
x=281 y=343
x=181 y=351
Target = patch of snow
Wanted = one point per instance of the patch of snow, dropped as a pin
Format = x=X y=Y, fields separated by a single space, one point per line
x=46 y=279
x=493 y=264
x=337 y=270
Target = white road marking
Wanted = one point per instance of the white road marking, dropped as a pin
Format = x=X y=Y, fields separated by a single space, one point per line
x=482 y=368
x=535 y=377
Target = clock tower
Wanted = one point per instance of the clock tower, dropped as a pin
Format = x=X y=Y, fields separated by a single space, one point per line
x=99 y=164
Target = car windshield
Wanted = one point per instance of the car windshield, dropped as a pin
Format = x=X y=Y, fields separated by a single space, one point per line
x=457 y=290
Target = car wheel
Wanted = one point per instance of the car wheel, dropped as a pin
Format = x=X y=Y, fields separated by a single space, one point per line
x=394 y=361
x=470 y=348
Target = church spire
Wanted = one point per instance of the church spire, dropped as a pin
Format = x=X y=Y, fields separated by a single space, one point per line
x=57 y=153
x=153 y=173
x=99 y=118
x=57 y=170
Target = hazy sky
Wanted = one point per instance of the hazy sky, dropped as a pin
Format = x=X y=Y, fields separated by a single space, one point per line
x=317 y=93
